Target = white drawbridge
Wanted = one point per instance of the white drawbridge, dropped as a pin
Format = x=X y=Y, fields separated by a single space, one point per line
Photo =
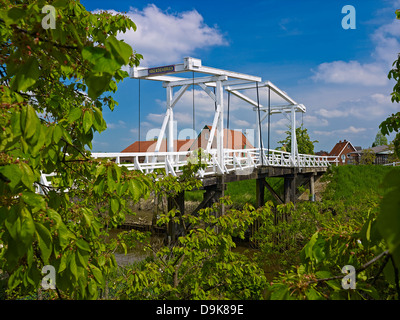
x=220 y=160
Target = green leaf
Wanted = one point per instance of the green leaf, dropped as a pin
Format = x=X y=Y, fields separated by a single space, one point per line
x=27 y=227
x=63 y=262
x=73 y=267
x=101 y=59
x=97 y=275
x=100 y=170
x=55 y=216
x=87 y=121
x=13 y=15
x=74 y=115
x=45 y=241
x=83 y=257
x=97 y=84
x=34 y=200
x=30 y=124
x=98 y=121
x=110 y=180
x=87 y=216
x=13 y=223
x=92 y=288
x=280 y=292
x=388 y=221
x=26 y=76
x=120 y=50
x=28 y=176
x=60 y=3
x=16 y=124
x=64 y=235
x=114 y=205
x=82 y=244
x=13 y=173
x=57 y=133
x=312 y=294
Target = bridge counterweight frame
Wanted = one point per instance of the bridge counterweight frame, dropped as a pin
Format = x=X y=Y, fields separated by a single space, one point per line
x=221 y=80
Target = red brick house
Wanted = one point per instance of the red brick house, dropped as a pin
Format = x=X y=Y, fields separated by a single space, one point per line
x=232 y=140
x=381 y=153
x=342 y=149
x=150 y=146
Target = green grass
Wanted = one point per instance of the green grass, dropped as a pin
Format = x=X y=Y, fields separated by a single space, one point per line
x=241 y=192
x=350 y=183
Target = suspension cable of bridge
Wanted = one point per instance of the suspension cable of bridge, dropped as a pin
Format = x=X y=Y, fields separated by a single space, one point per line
x=259 y=125
x=139 y=112
x=227 y=120
x=193 y=111
x=269 y=118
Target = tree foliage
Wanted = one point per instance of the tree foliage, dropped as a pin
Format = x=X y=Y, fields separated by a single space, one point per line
x=54 y=88
x=52 y=84
x=371 y=243
x=367 y=157
x=380 y=140
x=201 y=264
x=304 y=143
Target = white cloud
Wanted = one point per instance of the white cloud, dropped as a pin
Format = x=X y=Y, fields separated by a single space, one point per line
x=351 y=72
x=370 y=107
x=387 y=46
x=352 y=129
x=314 y=121
x=166 y=37
x=332 y=113
x=242 y=123
x=349 y=130
x=155 y=117
x=387 y=42
x=120 y=124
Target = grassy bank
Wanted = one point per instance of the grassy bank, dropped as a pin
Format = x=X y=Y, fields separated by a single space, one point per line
x=349 y=183
x=241 y=192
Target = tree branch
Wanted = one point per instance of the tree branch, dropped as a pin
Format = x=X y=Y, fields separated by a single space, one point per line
x=33 y=34
x=362 y=268
x=176 y=281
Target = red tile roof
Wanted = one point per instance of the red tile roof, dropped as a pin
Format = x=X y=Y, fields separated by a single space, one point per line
x=236 y=140
x=149 y=146
x=139 y=146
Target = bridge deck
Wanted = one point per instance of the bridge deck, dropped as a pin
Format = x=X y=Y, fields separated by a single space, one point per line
x=237 y=165
x=239 y=162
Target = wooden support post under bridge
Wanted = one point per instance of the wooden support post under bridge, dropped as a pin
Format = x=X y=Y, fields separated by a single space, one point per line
x=260 y=192
x=177 y=202
x=289 y=187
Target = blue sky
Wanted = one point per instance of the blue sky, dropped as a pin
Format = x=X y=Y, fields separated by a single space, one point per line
x=300 y=46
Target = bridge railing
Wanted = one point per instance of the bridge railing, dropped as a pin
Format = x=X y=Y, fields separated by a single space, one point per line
x=147 y=162
x=241 y=161
x=234 y=159
x=394 y=164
